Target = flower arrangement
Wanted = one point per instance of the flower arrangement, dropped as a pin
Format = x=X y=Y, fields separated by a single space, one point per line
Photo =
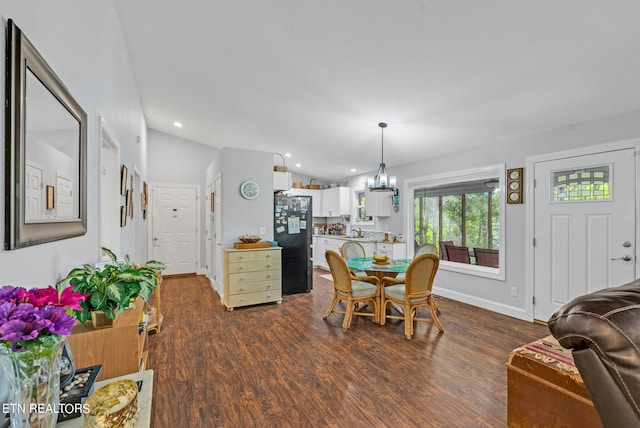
x=30 y=318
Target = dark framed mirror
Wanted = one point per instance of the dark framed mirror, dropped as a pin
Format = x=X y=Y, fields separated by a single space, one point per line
x=46 y=150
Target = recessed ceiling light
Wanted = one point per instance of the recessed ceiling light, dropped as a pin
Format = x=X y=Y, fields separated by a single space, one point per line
x=299 y=165
x=353 y=170
x=177 y=124
x=288 y=155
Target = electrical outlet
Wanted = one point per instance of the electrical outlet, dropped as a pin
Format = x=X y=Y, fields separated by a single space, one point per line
x=514 y=291
x=263 y=230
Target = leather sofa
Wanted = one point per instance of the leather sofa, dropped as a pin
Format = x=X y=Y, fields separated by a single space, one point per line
x=603 y=331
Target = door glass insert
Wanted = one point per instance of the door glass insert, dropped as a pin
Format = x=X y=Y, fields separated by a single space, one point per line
x=585 y=184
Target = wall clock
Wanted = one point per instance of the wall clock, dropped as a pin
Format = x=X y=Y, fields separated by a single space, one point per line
x=249 y=189
x=514 y=185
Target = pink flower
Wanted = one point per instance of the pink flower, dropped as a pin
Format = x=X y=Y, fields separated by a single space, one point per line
x=71 y=299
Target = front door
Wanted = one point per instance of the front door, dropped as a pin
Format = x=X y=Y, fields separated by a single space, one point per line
x=174 y=228
x=584 y=227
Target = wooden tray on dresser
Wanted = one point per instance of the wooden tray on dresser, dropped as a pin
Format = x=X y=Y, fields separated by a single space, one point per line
x=252 y=245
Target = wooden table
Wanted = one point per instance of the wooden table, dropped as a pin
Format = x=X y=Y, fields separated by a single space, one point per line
x=391 y=269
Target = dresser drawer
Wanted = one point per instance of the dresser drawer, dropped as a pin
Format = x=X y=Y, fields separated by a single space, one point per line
x=273 y=255
x=253 y=266
x=241 y=256
x=252 y=287
x=246 y=277
x=254 y=298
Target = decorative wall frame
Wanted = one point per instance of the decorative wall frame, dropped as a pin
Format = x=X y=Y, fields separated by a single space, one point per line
x=212 y=202
x=123 y=180
x=27 y=72
x=123 y=216
x=51 y=198
x=514 y=185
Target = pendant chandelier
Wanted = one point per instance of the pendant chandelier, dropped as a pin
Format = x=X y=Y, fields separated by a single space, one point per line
x=382 y=182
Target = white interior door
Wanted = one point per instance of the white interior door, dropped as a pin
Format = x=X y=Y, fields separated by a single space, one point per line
x=208 y=232
x=584 y=226
x=218 y=274
x=174 y=228
x=64 y=196
x=109 y=193
x=33 y=191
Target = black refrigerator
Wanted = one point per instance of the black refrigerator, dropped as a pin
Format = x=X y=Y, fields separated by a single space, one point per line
x=293 y=230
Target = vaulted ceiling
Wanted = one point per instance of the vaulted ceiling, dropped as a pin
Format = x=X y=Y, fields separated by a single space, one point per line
x=314 y=78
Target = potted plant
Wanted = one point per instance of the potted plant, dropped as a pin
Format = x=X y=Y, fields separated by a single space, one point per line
x=111 y=288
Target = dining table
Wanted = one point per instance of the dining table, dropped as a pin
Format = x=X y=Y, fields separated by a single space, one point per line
x=391 y=268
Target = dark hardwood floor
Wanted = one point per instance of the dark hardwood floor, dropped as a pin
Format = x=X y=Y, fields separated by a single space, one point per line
x=284 y=366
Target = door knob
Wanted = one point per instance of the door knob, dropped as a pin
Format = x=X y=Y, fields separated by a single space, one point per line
x=626 y=258
x=626 y=244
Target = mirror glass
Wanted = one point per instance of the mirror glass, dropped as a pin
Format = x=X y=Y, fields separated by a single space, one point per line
x=46 y=150
x=52 y=150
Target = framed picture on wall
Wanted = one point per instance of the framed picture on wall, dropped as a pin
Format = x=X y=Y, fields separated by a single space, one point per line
x=51 y=201
x=212 y=202
x=123 y=180
x=123 y=216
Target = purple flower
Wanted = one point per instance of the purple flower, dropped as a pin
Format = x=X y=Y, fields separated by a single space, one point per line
x=23 y=323
x=9 y=293
x=57 y=319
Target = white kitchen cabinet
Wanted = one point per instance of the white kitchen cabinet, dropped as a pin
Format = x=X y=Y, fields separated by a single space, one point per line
x=281 y=181
x=336 y=202
x=316 y=199
x=378 y=204
x=324 y=244
x=392 y=250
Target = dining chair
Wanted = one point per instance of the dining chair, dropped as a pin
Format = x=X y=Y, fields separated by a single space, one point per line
x=424 y=249
x=353 y=249
x=352 y=290
x=443 y=249
x=458 y=254
x=487 y=257
x=411 y=293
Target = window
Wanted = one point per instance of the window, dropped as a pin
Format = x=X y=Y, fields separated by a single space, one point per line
x=359 y=212
x=464 y=208
x=587 y=184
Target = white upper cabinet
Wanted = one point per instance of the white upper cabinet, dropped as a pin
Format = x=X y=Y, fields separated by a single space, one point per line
x=316 y=199
x=281 y=181
x=378 y=204
x=336 y=202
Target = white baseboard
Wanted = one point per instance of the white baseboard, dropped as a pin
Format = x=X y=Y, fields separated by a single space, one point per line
x=500 y=308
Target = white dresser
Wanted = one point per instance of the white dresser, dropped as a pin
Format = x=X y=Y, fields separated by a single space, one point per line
x=252 y=276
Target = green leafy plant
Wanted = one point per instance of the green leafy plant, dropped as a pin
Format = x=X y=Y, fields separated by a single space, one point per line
x=112 y=287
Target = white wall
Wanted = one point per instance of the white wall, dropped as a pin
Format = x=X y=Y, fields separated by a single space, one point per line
x=242 y=216
x=483 y=292
x=82 y=42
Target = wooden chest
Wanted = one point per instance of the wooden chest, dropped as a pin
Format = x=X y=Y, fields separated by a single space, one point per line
x=252 y=277
x=545 y=388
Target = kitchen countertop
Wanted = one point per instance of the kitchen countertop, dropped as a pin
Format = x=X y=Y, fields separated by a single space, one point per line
x=365 y=239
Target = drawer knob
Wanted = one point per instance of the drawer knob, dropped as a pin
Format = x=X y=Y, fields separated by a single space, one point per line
x=268 y=265
x=269 y=276
x=241 y=288
x=269 y=285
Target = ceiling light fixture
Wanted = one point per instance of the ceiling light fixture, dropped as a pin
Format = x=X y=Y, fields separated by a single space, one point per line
x=382 y=182
x=177 y=124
